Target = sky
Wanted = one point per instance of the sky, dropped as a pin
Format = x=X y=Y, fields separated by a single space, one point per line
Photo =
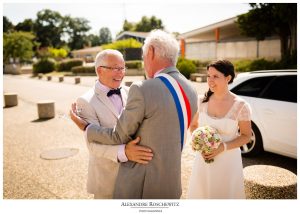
x=177 y=16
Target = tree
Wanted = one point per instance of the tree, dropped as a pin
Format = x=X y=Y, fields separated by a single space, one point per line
x=128 y=26
x=7 y=25
x=105 y=36
x=265 y=19
x=18 y=45
x=26 y=25
x=146 y=24
x=48 y=28
x=94 y=40
x=76 y=29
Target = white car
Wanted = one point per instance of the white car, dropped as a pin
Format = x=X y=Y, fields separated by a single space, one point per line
x=272 y=95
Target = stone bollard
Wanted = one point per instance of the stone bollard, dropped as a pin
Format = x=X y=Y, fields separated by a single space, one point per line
x=49 y=78
x=46 y=109
x=40 y=76
x=128 y=84
x=77 y=80
x=10 y=99
x=61 y=79
x=269 y=182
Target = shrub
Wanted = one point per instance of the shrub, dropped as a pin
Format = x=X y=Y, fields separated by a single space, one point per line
x=288 y=62
x=199 y=63
x=44 y=65
x=122 y=44
x=186 y=67
x=83 y=69
x=242 y=65
x=262 y=64
x=134 y=64
x=58 y=53
x=67 y=65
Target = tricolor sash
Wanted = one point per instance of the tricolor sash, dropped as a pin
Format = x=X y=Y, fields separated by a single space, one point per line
x=181 y=101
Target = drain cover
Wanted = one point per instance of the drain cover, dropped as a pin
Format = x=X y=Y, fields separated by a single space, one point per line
x=59 y=153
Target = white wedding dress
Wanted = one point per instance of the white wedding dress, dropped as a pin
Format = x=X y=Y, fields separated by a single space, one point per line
x=223 y=178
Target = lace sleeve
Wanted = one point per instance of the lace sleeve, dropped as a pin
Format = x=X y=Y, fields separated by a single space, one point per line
x=245 y=113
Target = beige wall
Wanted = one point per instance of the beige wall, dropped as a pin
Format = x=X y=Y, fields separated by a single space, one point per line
x=203 y=50
x=268 y=49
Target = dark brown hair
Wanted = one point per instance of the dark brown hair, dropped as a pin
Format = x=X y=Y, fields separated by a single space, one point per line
x=223 y=66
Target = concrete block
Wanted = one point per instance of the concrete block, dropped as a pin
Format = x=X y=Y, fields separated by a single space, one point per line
x=128 y=84
x=10 y=99
x=46 y=109
x=77 y=80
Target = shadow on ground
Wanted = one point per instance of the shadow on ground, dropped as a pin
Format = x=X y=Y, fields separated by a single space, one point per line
x=40 y=120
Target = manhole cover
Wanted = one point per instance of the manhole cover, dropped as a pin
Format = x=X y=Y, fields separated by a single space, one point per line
x=55 y=154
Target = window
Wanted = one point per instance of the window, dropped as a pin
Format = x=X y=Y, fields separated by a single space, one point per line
x=283 y=88
x=252 y=87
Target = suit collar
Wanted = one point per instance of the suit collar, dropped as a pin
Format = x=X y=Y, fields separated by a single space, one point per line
x=123 y=96
x=168 y=70
x=102 y=96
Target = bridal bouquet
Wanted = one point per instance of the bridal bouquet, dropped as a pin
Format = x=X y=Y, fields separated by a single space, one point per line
x=205 y=139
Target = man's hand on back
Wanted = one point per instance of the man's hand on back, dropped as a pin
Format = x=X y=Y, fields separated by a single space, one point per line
x=137 y=153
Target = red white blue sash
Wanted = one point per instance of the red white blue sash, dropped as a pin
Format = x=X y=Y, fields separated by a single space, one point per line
x=181 y=101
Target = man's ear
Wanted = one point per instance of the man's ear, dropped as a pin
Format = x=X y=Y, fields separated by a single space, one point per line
x=152 y=52
x=98 y=71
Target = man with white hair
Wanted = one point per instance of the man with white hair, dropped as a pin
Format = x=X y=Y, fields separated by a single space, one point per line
x=159 y=111
x=102 y=105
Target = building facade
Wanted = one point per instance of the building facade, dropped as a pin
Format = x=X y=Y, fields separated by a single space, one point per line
x=224 y=40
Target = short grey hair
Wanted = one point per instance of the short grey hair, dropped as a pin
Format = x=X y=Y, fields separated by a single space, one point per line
x=100 y=58
x=165 y=44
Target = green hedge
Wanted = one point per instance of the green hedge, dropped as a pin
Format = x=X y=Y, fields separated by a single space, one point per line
x=82 y=69
x=260 y=64
x=137 y=64
x=242 y=65
x=186 y=67
x=200 y=63
x=122 y=44
x=68 y=64
x=44 y=65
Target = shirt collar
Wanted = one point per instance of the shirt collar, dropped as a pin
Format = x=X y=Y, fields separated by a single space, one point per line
x=102 y=87
x=157 y=72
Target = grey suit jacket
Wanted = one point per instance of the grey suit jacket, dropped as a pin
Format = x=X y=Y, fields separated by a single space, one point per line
x=150 y=113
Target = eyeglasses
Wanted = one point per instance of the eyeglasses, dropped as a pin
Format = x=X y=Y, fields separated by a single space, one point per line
x=114 y=68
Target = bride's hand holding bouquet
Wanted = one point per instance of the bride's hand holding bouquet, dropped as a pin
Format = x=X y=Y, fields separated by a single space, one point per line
x=207 y=140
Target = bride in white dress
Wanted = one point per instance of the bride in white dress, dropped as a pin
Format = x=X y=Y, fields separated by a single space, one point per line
x=230 y=115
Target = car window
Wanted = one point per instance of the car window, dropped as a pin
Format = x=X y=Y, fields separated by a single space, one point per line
x=252 y=87
x=283 y=88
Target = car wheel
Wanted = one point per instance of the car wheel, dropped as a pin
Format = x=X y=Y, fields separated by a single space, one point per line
x=255 y=146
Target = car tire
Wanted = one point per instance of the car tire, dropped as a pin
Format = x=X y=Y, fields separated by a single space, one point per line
x=255 y=146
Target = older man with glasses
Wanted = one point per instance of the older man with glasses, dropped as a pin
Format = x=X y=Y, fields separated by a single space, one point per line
x=102 y=105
